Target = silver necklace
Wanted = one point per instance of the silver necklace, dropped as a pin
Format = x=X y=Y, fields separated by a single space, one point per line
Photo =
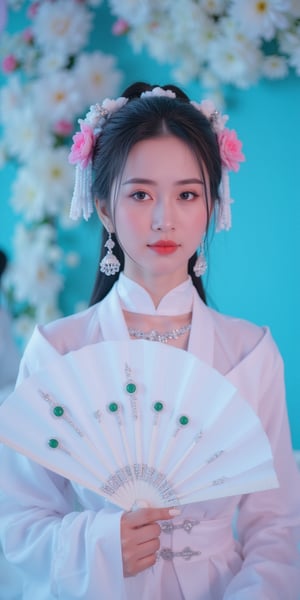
x=156 y=336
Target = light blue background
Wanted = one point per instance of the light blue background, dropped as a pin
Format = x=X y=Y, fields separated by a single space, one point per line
x=254 y=269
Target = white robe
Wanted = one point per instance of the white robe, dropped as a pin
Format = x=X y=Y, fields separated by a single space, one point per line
x=67 y=539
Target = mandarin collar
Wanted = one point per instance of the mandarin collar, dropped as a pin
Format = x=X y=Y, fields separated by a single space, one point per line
x=113 y=325
x=134 y=298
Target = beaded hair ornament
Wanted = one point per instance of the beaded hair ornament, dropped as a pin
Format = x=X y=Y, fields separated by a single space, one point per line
x=91 y=127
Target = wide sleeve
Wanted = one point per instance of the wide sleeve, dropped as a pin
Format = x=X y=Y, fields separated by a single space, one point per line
x=268 y=524
x=64 y=550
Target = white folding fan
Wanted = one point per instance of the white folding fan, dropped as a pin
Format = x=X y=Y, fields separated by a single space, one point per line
x=140 y=423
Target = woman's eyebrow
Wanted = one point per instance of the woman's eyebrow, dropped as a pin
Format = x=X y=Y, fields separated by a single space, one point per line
x=187 y=181
x=139 y=180
x=152 y=182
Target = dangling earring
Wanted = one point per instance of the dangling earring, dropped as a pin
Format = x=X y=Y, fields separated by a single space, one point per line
x=200 y=265
x=109 y=264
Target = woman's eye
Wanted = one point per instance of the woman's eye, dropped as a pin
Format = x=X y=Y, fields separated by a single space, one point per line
x=188 y=195
x=140 y=195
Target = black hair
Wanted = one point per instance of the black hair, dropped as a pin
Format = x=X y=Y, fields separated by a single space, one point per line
x=141 y=120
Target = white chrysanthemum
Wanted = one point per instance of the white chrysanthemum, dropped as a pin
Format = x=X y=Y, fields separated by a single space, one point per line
x=11 y=98
x=45 y=235
x=57 y=96
x=209 y=33
x=32 y=274
x=134 y=12
x=56 y=176
x=47 y=311
x=29 y=58
x=28 y=196
x=289 y=41
x=180 y=37
x=51 y=62
x=209 y=79
x=63 y=25
x=274 y=67
x=214 y=7
x=186 y=71
x=24 y=326
x=159 y=41
x=46 y=282
x=294 y=60
x=25 y=54
x=13 y=44
x=188 y=16
x=189 y=23
x=37 y=282
x=235 y=62
x=25 y=131
x=96 y=75
x=260 y=19
x=22 y=240
x=35 y=240
x=43 y=313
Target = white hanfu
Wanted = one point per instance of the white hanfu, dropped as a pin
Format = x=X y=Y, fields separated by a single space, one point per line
x=66 y=539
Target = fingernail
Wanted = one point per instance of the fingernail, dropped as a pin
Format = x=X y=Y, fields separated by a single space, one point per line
x=174 y=512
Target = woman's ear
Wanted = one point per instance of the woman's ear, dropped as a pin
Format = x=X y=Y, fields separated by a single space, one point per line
x=103 y=214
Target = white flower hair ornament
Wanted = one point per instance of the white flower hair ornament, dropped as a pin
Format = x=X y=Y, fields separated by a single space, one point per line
x=84 y=141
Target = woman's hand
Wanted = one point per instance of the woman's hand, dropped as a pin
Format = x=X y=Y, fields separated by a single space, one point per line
x=140 y=537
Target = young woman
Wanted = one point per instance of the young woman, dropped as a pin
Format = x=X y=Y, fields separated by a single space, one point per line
x=160 y=178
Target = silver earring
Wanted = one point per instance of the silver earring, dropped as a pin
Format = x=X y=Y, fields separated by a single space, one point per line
x=200 y=265
x=109 y=264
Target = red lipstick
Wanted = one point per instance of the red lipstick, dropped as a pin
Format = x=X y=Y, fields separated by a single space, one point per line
x=164 y=247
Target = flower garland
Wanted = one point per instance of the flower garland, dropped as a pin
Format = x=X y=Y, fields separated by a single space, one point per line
x=50 y=81
x=215 y=42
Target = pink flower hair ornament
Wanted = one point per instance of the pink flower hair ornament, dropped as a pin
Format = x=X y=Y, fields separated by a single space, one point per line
x=83 y=145
x=81 y=153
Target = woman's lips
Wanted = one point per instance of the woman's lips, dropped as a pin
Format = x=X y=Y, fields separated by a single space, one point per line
x=164 y=247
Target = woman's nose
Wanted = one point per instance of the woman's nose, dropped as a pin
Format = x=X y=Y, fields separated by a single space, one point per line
x=163 y=218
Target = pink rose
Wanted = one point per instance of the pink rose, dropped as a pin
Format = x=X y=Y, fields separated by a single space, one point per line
x=9 y=63
x=230 y=149
x=27 y=35
x=63 y=127
x=83 y=144
x=120 y=27
x=33 y=9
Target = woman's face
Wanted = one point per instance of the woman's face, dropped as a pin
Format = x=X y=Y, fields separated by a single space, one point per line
x=160 y=211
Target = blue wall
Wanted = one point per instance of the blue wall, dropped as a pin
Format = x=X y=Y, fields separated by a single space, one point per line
x=254 y=269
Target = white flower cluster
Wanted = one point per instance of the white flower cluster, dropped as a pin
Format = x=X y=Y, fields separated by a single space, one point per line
x=215 y=41
x=50 y=82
